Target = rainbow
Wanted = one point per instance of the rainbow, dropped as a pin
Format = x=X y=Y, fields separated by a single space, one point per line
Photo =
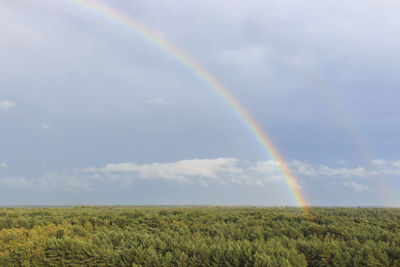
x=238 y=108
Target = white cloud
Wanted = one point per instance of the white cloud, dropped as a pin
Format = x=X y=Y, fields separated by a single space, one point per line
x=46 y=127
x=180 y=170
x=204 y=172
x=356 y=186
x=74 y=183
x=269 y=169
x=359 y=172
x=3 y=165
x=14 y=182
x=387 y=167
x=73 y=180
x=7 y=105
x=396 y=164
x=305 y=169
x=379 y=162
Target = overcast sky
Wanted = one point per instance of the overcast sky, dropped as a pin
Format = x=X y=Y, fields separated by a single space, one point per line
x=93 y=113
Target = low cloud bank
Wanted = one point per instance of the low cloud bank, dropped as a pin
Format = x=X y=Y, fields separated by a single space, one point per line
x=204 y=172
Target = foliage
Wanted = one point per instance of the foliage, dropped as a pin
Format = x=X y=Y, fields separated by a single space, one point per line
x=199 y=236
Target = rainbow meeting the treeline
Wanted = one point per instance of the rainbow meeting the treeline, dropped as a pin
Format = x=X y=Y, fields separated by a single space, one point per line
x=224 y=93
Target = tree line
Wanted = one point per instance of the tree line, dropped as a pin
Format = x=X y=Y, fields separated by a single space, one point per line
x=199 y=236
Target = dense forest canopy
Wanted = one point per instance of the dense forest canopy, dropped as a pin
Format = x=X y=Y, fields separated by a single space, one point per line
x=199 y=236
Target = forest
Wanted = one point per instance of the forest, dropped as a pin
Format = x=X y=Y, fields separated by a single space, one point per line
x=199 y=236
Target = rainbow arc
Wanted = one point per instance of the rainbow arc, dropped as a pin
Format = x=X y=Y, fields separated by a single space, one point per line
x=212 y=82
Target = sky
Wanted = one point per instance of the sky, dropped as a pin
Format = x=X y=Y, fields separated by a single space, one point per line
x=92 y=112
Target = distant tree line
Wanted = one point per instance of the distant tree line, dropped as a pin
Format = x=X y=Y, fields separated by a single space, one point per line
x=199 y=236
